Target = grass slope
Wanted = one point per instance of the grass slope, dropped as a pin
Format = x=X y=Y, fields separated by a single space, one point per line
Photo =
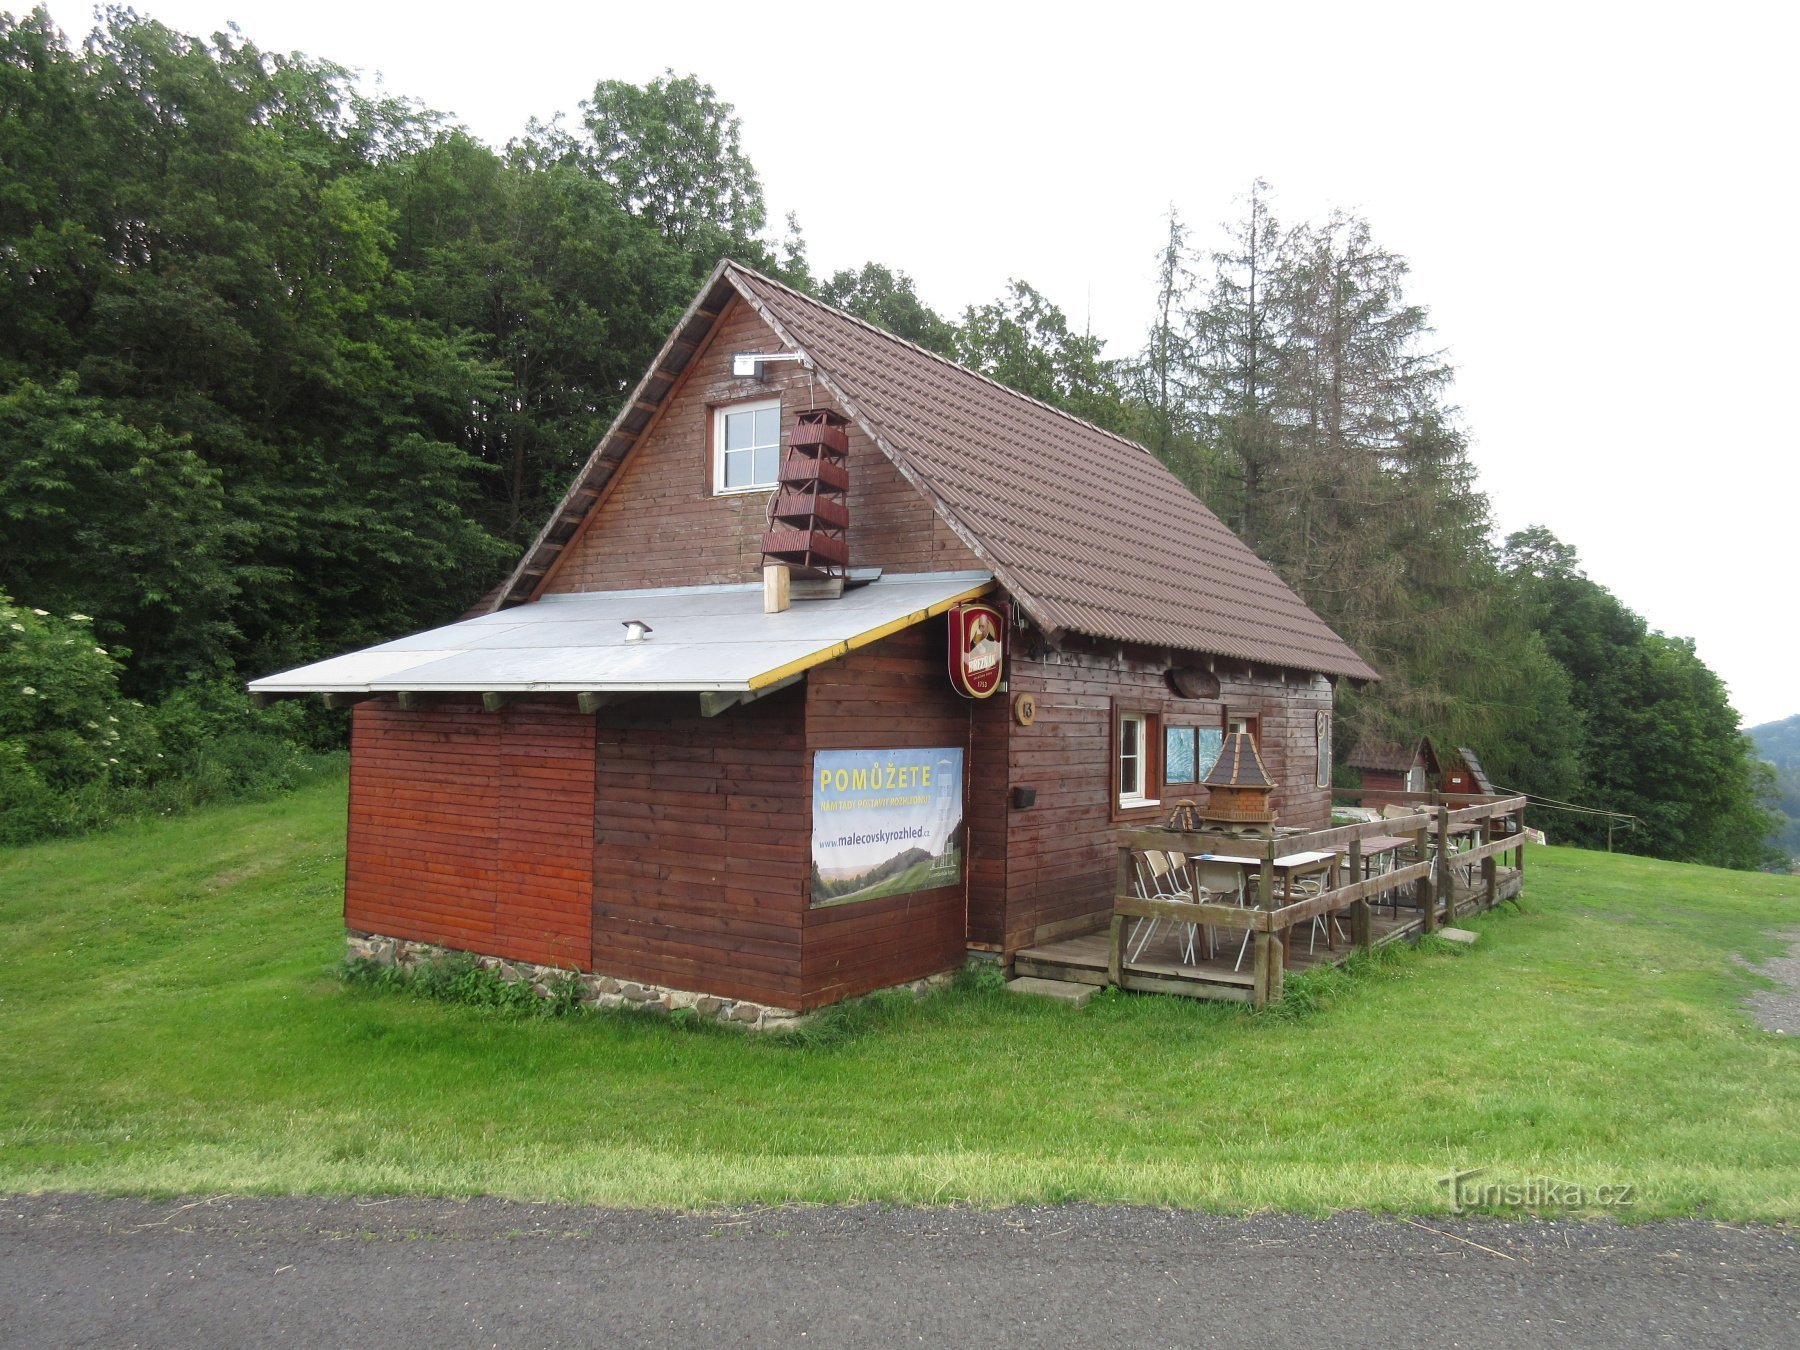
x=170 y=1022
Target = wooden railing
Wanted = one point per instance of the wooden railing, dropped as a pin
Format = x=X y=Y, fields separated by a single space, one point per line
x=1497 y=822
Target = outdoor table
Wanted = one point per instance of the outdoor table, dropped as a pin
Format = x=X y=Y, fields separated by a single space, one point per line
x=1292 y=867
x=1379 y=854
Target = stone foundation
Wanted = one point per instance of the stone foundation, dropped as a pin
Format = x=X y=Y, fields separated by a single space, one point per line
x=603 y=991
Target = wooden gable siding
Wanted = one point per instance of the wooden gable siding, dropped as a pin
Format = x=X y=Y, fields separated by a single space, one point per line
x=1062 y=851
x=661 y=525
x=893 y=695
x=701 y=846
x=473 y=829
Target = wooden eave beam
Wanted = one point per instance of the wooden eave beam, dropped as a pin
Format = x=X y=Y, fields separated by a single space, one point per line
x=594 y=702
x=712 y=704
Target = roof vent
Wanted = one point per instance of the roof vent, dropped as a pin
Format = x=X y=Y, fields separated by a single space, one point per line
x=636 y=630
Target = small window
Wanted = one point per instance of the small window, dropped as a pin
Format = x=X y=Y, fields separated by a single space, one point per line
x=1323 y=732
x=1189 y=753
x=1133 y=758
x=1181 y=755
x=1212 y=741
x=746 y=447
x=1138 y=738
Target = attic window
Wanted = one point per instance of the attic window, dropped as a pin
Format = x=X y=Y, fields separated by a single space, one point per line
x=746 y=446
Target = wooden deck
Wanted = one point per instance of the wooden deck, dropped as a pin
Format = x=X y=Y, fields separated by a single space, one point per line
x=1160 y=969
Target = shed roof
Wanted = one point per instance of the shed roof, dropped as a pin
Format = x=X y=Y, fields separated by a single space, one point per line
x=1088 y=531
x=1394 y=756
x=1474 y=767
x=702 y=638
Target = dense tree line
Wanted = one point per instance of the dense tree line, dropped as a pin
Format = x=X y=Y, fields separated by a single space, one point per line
x=285 y=370
x=1778 y=745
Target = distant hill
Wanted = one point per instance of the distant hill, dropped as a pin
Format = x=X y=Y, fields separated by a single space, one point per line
x=1779 y=743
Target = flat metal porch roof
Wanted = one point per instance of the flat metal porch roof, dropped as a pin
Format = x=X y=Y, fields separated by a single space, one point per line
x=702 y=639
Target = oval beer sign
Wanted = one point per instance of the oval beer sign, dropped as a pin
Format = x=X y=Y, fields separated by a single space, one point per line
x=977 y=648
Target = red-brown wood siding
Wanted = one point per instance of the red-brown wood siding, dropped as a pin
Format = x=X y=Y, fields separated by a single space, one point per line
x=473 y=829
x=702 y=836
x=990 y=816
x=661 y=525
x=1062 y=852
x=894 y=695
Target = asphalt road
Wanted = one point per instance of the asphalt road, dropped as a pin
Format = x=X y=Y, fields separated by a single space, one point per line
x=236 y=1271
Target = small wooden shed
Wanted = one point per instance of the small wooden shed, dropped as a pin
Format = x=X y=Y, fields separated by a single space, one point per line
x=1463 y=773
x=1395 y=766
x=1011 y=632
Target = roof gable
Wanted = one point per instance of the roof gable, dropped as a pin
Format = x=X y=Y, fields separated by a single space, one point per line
x=1395 y=756
x=1089 y=532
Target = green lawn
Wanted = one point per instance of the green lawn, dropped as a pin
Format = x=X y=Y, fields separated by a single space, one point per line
x=170 y=1022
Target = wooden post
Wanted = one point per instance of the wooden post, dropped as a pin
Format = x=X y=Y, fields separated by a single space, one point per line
x=1423 y=893
x=775 y=587
x=1521 y=846
x=1123 y=882
x=1446 y=875
x=1267 y=986
x=1490 y=865
x=1359 y=911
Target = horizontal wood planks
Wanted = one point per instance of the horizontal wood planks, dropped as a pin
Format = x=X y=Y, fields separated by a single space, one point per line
x=662 y=525
x=473 y=829
x=894 y=695
x=1062 y=851
x=702 y=845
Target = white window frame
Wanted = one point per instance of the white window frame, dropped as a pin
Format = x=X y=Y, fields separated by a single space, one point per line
x=1139 y=795
x=718 y=440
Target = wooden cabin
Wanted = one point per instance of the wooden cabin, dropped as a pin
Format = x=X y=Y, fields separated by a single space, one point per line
x=637 y=763
x=1463 y=774
x=1395 y=766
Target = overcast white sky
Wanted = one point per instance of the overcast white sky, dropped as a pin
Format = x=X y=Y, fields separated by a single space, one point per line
x=1597 y=201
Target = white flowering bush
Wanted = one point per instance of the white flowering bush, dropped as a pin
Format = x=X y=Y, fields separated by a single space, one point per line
x=66 y=732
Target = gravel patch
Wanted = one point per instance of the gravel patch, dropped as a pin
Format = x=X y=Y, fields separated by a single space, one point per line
x=1778 y=1009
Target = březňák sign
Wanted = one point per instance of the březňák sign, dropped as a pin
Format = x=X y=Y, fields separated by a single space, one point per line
x=885 y=822
x=977 y=648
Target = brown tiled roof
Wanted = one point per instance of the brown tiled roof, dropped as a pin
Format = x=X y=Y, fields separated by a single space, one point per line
x=1086 y=530
x=1393 y=756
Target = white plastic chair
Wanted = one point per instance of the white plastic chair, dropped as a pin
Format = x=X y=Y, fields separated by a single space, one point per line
x=1162 y=876
x=1223 y=878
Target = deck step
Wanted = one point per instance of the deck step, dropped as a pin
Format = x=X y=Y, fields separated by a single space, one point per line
x=1462 y=935
x=1076 y=994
